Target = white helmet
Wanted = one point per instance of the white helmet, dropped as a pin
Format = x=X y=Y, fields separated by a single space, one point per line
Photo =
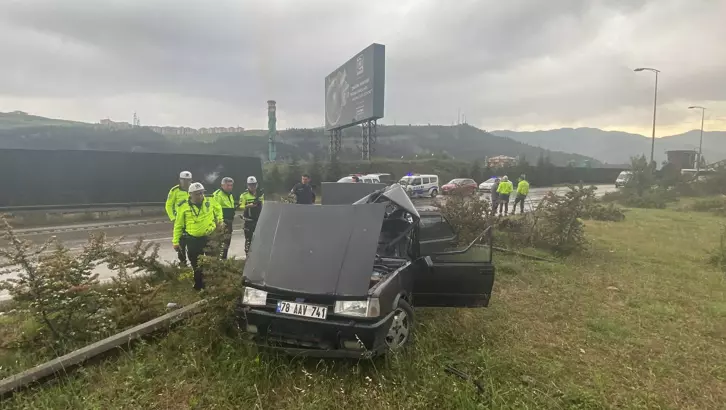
x=185 y=175
x=195 y=187
x=251 y=180
x=505 y=178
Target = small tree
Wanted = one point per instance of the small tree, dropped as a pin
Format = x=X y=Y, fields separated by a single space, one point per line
x=315 y=171
x=642 y=179
x=293 y=174
x=59 y=289
x=333 y=171
x=469 y=216
x=273 y=180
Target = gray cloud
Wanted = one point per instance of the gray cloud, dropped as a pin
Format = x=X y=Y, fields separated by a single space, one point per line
x=505 y=64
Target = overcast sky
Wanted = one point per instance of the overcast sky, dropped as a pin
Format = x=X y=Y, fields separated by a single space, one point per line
x=514 y=64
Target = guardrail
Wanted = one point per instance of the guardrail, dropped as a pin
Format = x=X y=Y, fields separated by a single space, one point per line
x=78 y=206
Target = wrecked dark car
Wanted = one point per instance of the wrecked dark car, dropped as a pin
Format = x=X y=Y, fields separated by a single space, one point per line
x=341 y=280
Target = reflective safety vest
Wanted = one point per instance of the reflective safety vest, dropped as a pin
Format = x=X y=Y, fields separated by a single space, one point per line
x=523 y=187
x=248 y=198
x=197 y=220
x=174 y=200
x=505 y=188
x=226 y=201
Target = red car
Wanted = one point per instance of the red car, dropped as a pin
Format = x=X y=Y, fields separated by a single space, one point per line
x=465 y=185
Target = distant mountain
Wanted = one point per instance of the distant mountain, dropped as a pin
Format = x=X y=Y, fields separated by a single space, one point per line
x=615 y=147
x=461 y=142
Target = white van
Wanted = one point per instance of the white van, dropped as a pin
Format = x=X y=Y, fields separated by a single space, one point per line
x=367 y=179
x=420 y=185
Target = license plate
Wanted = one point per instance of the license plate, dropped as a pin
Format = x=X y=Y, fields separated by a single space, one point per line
x=302 y=309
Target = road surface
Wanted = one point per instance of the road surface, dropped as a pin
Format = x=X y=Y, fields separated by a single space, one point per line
x=158 y=230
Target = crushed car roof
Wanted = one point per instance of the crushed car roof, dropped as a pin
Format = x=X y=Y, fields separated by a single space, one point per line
x=393 y=193
x=315 y=249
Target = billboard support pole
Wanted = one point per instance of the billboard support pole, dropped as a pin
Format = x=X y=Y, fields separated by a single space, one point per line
x=369 y=136
x=335 y=143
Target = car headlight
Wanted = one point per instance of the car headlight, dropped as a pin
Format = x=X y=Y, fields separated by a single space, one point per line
x=358 y=308
x=254 y=297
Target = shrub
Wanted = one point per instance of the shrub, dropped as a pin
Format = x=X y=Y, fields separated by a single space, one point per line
x=61 y=291
x=469 y=215
x=716 y=205
x=600 y=212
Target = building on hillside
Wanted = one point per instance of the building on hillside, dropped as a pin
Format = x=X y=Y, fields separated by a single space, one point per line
x=682 y=158
x=501 y=161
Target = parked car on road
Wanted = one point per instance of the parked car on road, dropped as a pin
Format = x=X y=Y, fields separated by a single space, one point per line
x=623 y=179
x=464 y=185
x=350 y=292
x=367 y=179
x=417 y=185
x=486 y=186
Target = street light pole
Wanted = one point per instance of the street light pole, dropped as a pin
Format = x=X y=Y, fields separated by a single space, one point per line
x=700 y=142
x=655 y=105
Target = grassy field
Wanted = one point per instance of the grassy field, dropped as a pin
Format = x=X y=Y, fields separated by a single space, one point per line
x=639 y=321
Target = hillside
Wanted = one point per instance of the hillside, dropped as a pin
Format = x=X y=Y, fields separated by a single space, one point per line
x=19 y=119
x=618 y=147
x=460 y=142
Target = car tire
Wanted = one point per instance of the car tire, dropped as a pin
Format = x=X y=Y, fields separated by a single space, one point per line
x=434 y=192
x=400 y=332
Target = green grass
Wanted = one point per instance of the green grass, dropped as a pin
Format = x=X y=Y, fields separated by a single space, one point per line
x=638 y=321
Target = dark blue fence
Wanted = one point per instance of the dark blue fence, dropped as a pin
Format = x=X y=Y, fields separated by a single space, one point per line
x=65 y=177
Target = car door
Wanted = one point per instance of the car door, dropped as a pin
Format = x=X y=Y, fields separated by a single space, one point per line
x=435 y=234
x=452 y=284
x=455 y=279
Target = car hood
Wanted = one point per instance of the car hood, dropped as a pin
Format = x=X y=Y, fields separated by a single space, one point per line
x=449 y=186
x=318 y=249
x=394 y=193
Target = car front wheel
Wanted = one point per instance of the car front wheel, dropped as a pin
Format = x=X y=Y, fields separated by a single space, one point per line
x=401 y=329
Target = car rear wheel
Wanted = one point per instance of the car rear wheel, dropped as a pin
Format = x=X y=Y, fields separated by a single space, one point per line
x=401 y=329
x=434 y=192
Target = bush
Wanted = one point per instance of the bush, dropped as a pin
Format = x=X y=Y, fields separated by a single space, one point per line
x=654 y=198
x=469 y=215
x=60 y=290
x=716 y=205
x=561 y=229
x=600 y=212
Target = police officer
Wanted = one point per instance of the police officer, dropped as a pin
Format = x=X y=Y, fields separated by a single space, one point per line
x=251 y=204
x=177 y=196
x=522 y=192
x=505 y=188
x=225 y=199
x=199 y=217
x=303 y=191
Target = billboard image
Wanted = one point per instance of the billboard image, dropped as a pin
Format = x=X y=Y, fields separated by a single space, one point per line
x=354 y=91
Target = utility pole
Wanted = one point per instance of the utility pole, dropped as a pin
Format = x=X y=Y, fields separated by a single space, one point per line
x=655 y=105
x=700 y=141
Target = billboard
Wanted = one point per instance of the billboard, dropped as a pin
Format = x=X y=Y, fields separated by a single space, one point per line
x=354 y=91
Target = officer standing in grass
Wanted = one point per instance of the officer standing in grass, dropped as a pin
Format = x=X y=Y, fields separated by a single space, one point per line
x=178 y=195
x=522 y=191
x=505 y=188
x=225 y=199
x=494 y=198
x=250 y=202
x=199 y=217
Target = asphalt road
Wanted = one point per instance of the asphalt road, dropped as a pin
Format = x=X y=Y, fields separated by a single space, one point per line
x=159 y=230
